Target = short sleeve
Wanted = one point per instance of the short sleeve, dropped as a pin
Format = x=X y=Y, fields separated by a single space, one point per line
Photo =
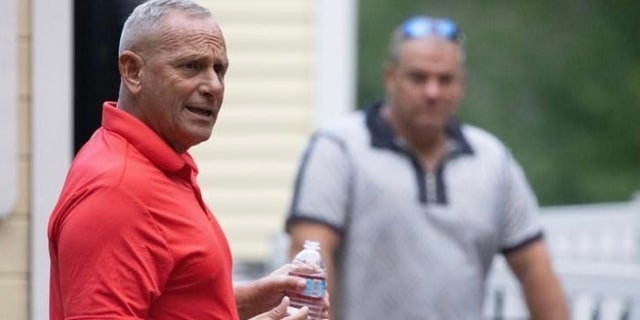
x=112 y=261
x=520 y=221
x=322 y=183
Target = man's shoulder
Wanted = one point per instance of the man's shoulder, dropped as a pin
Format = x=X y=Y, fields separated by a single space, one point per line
x=345 y=125
x=479 y=135
x=481 y=140
x=107 y=159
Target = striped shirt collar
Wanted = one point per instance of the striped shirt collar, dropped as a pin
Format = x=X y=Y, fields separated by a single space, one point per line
x=382 y=136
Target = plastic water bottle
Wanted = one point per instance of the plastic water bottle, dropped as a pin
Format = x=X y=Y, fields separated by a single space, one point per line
x=308 y=264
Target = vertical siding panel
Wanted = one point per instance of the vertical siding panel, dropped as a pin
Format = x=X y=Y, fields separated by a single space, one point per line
x=247 y=167
x=14 y=230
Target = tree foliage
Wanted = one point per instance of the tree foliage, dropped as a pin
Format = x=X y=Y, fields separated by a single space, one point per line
x=558 y=82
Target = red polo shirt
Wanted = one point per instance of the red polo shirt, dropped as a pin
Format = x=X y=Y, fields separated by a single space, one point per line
x=131 y=238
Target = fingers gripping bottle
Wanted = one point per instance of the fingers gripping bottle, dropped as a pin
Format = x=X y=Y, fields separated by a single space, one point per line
x=308 y=264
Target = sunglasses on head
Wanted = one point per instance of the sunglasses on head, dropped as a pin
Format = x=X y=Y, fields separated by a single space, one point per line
x=423 y=26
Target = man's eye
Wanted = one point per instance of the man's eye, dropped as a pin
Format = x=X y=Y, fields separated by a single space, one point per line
x=220 y=69
x=191 y=65
x=446 y=79
x=416 y=78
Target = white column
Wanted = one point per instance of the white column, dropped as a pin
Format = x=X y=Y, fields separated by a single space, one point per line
x=8 y=107
x=336 y=51
x=51 y=127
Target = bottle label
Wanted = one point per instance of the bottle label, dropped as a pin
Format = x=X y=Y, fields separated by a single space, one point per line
x=315 y=288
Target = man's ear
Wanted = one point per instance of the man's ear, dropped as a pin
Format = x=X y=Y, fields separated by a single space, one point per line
x=130 y=65
x=388 y=74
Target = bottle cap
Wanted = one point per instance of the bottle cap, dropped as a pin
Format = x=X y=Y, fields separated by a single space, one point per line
x=310 y=244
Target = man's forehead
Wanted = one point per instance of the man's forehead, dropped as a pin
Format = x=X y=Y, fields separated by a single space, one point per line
x=430 y=43
x=434 y=49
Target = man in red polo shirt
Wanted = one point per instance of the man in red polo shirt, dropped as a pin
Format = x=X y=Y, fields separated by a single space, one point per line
x=131 y=237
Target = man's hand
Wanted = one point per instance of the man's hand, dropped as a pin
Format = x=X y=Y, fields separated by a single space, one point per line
x=266 y=294
x=280 y=312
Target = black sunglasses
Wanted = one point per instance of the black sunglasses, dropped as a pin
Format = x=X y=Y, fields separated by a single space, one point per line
x=422 y=26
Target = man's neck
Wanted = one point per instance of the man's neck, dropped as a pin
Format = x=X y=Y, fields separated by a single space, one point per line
x=428 y=144
x=430 y=147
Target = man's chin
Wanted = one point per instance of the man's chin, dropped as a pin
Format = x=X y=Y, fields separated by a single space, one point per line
x=430 y=125
x=199 y=136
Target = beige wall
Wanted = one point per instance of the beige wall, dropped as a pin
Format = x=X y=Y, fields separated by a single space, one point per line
x=246 y=168
x=14 y=231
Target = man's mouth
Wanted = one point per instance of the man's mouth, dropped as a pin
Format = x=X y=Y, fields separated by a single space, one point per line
x=200 y=111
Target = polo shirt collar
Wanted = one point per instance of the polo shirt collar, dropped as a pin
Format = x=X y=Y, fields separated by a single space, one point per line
x=143 y=138
x=382 y=135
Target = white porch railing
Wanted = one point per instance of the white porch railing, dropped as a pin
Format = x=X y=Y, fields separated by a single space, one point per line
x=596 y=252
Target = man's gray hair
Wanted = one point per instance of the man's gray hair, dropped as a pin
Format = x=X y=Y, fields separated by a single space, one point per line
x=146 y=16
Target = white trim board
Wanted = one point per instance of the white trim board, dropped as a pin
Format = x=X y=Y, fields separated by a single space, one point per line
x=8 y=107
x=51 y=127
x=336 y=52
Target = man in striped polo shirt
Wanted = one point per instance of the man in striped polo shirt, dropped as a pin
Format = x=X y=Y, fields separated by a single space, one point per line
x=410 y=206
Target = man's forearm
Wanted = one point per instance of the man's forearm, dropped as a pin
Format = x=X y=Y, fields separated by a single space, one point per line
x=242 y=293
x=543 y=292
x=545 y=298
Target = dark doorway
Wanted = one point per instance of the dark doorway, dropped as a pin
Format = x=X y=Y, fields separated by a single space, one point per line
x=97 y=26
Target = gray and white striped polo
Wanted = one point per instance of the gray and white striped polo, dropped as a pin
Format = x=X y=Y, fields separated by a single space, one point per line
x=414 y=244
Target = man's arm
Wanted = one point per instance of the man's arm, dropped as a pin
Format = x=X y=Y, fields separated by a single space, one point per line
x=543 y=292
x=328 y=238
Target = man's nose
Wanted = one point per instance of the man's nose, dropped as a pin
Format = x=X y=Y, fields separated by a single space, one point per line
x=432 y=88
x=211 y=83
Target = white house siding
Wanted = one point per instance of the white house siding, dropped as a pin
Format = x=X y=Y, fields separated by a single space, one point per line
x=247 y=167
x=14 y=230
